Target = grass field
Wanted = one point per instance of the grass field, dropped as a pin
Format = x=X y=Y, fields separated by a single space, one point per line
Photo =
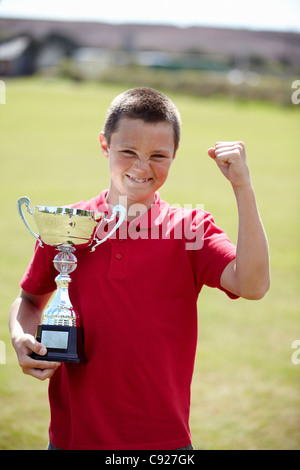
x=246 y=389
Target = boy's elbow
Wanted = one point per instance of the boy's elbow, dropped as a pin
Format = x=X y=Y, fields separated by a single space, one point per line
x=257 y=295
x=258 y=292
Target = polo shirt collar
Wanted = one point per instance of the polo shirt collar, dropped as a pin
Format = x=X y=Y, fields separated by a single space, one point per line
x=150 y=219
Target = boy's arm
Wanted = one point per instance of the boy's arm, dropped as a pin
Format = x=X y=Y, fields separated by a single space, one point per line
x=25 y=315
x=248 y=275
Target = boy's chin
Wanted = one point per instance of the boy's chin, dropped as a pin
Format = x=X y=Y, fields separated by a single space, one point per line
x=140 y=197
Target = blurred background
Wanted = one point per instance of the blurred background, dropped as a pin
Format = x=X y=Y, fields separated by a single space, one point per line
x=248 y=50
x=233 y=69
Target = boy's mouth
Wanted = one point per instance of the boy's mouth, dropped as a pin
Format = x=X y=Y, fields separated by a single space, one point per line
x=139 y=180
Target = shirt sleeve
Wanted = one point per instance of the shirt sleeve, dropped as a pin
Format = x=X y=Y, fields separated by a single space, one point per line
x=39 y=277
x=211 y=254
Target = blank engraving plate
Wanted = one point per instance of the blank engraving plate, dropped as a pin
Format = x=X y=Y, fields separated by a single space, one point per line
x=55 y=339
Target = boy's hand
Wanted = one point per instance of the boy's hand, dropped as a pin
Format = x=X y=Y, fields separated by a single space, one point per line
x=24 y=346
x=231 y=159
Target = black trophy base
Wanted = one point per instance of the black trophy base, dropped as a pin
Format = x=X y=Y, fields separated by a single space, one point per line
x=63 y=343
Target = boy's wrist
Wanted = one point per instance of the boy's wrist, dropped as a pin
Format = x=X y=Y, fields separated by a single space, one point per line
x=245 y=187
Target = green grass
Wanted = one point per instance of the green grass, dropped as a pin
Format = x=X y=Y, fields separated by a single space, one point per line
x=245 y=391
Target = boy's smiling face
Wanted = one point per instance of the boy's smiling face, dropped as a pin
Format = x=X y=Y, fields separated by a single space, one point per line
x=140 y=156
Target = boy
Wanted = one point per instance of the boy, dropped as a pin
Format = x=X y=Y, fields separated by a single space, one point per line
x=137 y=293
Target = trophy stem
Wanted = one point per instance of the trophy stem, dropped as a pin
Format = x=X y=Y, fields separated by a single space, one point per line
x=60 y=311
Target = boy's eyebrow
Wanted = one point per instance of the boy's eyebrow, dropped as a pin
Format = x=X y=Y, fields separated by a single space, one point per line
x=127 y=144
x=162 y=150
x=132 y=147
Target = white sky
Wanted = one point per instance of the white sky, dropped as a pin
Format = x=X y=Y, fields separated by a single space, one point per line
x=283 y=15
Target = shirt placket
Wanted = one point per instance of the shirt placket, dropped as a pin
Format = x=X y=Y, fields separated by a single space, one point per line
x=118 y=258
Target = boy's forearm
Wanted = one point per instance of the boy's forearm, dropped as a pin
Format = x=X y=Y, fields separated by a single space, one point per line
x=23 y=318
x=252 y=258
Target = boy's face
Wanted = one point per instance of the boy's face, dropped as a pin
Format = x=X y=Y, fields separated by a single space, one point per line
x=140 y=155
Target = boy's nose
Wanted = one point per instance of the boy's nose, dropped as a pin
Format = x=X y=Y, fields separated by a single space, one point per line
x=141 y=165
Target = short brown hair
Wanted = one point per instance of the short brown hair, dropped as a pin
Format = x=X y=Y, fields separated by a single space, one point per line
x=142 y=103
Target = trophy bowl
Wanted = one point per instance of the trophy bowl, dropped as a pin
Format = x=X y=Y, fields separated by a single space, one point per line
x=65 y=228
x=59 y=225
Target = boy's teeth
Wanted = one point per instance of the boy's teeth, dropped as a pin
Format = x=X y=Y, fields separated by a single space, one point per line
x=139 y=180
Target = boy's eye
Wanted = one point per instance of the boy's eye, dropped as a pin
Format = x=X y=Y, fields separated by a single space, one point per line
x=128 y=152
x=158 y=156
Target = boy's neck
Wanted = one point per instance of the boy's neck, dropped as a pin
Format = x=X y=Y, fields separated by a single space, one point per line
x=133 y=208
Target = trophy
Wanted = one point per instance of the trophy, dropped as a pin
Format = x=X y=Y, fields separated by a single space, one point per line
x=65 y=228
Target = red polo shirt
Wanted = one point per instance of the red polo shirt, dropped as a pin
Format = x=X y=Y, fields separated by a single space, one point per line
x=137 y=298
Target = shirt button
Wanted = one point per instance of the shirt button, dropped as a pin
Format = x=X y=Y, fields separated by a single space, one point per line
x=118 y=256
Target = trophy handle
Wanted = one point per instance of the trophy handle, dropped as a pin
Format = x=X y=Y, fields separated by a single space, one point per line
x=25 y=200
x=116 y=209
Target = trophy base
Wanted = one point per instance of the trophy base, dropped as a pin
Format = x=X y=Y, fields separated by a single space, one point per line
x=63 y=343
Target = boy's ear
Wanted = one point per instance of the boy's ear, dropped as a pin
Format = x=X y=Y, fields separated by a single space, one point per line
x=104 y=144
